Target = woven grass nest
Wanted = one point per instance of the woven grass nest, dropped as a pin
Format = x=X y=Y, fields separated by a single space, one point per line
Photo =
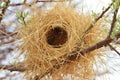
x=54 y=33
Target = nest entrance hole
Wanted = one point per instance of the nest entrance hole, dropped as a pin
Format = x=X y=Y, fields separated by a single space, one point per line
x=56 y=37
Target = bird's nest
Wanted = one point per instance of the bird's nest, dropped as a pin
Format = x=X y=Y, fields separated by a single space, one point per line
x=55 y=33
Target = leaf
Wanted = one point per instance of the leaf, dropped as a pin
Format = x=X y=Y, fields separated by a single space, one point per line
x=94 y=14
x=3 y=4
x=21 y=21
x=116 y=4
x=103 y=8
x=25 y=14
x=18 y=14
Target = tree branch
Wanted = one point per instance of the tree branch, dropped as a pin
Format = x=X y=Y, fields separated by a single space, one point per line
x=4 y=9
x=18 y=4
x=113 y=22
x=100 y=16
x=114 y=49
x=36 y=1
x=12 y=68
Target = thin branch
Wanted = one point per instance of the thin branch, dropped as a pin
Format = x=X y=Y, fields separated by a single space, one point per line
x=114 y=49
x=51 y=0
x=101 y=15
x=4 y=9
x=18 y=4
x=12 y=68
x=113 y=22
x=104 y=12
x=36 y=1
x=117 y=36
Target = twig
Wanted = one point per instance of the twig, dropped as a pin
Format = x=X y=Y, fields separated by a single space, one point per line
x=114 y=49
x=36 y=1
x=117 y=36
x=101 y=15
x=117 y=41
x=113 y=22
x=104 y=12
x=12 y=68
x=4 y=9
x=18 y=4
